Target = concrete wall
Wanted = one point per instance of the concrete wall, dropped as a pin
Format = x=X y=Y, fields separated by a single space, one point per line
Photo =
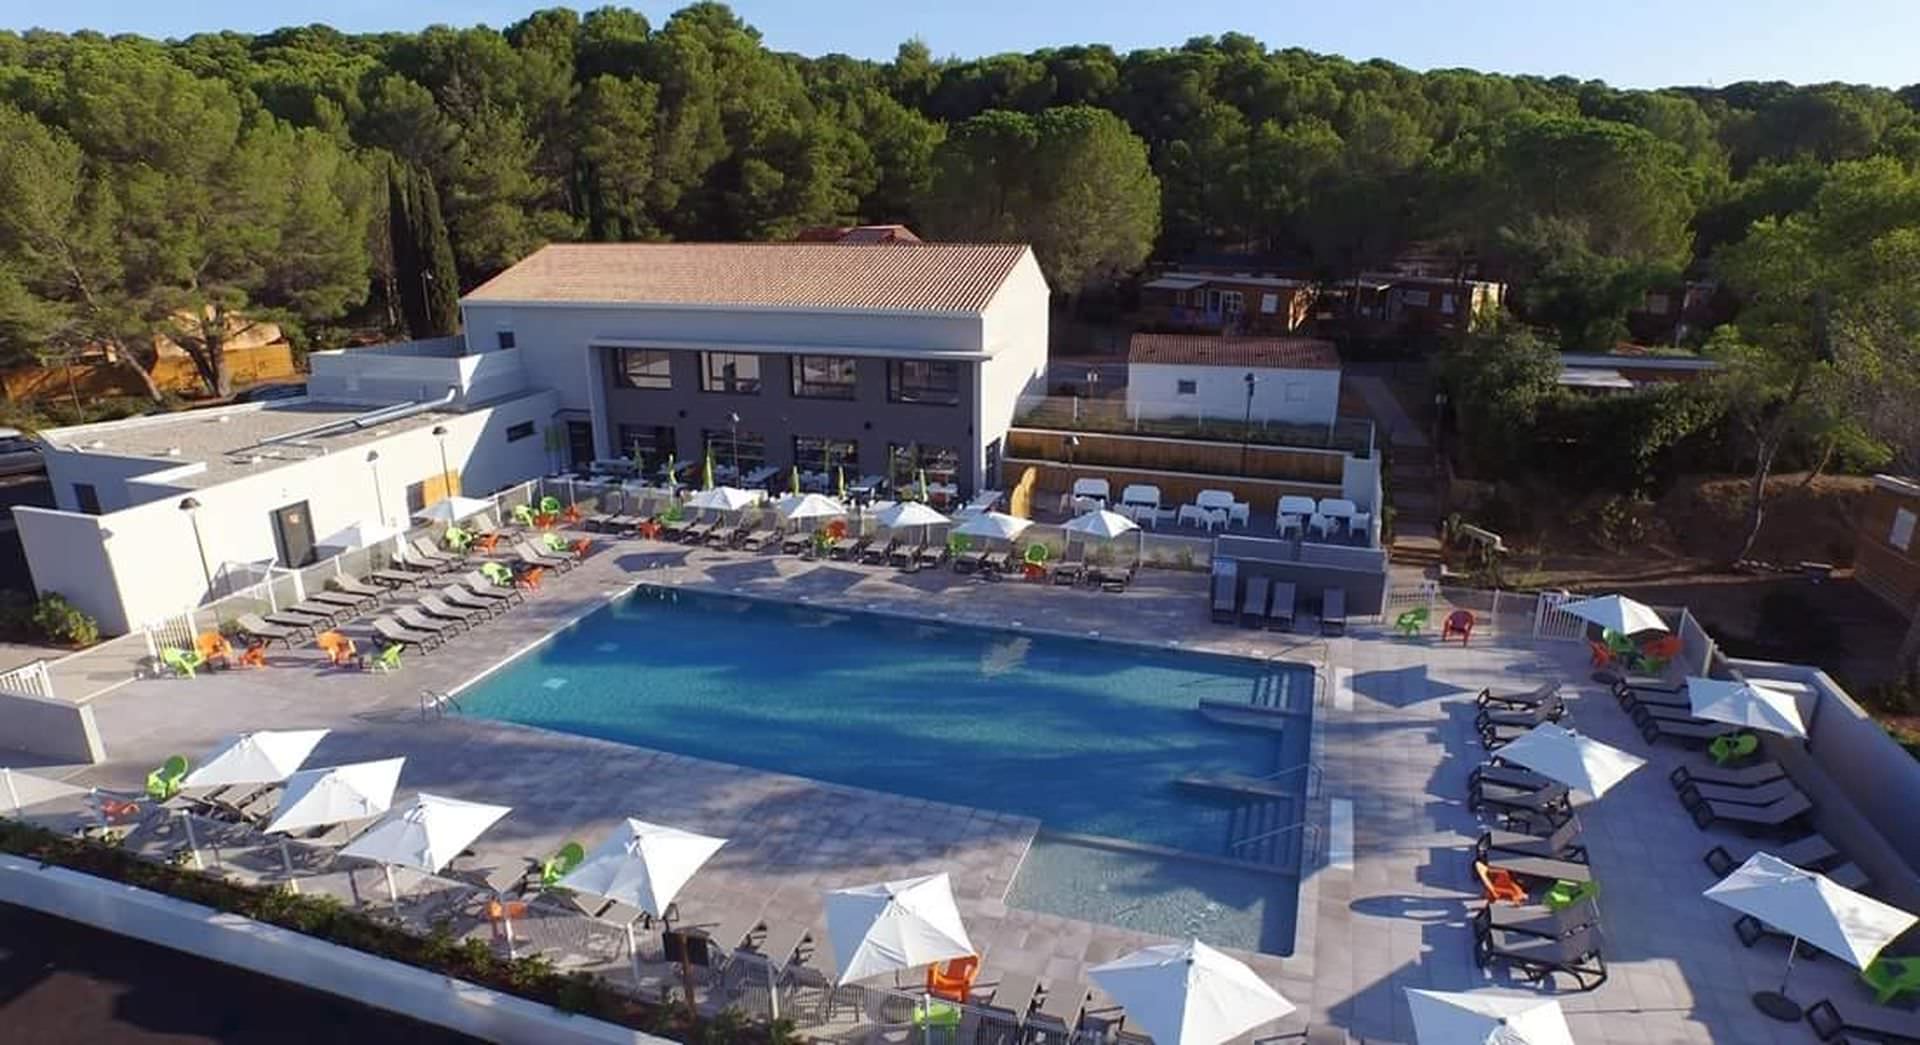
x=1298 y=397
x=1361 y=572
x=108 y=475
x=303 y=960
x=1360 y=482
x=52 y=729
x=139 y=565
x=415 y=371
x=1015 y=331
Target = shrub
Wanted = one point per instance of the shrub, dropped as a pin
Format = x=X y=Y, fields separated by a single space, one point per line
x=1897 y=696
x=63 y=622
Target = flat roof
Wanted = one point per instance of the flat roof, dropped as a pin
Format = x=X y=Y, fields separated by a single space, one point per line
x=1908 y=487
x=216 y=437
x=1272 y=353
x=1635 y=361
x=1593 y=377
x=925 y=278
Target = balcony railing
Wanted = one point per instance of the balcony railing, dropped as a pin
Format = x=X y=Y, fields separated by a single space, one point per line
x=1076 y=414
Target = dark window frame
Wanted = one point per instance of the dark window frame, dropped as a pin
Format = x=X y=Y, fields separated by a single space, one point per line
x=517 y=432
x=504 y=338
x=803 y=388
x=720 y=384
x=846 y=453
x=623 y=371
x=924 y=392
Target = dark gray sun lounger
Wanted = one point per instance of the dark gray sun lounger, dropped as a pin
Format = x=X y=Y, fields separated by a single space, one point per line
x=1534 y=919
x=253 y=627
x=397 y=578
x=1253 y=612
x=1562 y=844
x=1545 y=711
x=1517 y=778
x=347 y=603
x=1546 y=691
x=393 y=631
x=455 y=595
x=440 y=609
x=1333 y=611
x=1810 y=853
x=1280 y=611
x=356 y=586
x=1537 y=958
x=1541 y=868
x=1778 y=816
x=1863 y=1023
x=1766 y=794
x=1632 y=699
x=1691 y=732
x=1548 y=803
x=417 y=619
x=877 y=554
x=1226 y=609
x=1745 y=776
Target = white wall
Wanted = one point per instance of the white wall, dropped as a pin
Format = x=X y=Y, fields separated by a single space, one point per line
x=1014 y=330
x=1302 y=397
x=151 y=569
x=109 y=475
x=392 y=374
x=1360 y=481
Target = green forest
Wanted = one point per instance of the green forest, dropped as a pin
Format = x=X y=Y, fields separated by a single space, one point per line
x=335 y=183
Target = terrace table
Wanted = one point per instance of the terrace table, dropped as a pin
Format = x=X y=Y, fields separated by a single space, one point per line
x=760 y=476
x=1294 y=504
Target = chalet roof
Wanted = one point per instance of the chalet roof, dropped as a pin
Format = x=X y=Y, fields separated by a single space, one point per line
x=1270 y=353
x=928 y=278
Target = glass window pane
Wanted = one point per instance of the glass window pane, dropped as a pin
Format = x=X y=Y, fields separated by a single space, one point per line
x=643 y=368
x=923 y=381
x=736 y=373
x=823 y=377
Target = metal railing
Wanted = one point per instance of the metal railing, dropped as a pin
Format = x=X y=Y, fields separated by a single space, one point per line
x=1178 y=419
x=28 y=680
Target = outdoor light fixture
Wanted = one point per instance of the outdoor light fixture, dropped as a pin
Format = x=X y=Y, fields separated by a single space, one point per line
x=446 y=474
x=1246 y=426
x=733 y=426
x=192 y=507
x=379 y=503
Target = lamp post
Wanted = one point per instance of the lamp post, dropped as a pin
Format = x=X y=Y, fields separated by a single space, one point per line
x=192 y=507
x=426 y=302
x=446 y=474
x=1073 y=444
x=379 y=503
x=733 y=429
x=1246 y=426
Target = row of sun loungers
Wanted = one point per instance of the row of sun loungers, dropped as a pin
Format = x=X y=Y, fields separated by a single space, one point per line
x=1273 y=605
x=1540 y=844
x=457 y=607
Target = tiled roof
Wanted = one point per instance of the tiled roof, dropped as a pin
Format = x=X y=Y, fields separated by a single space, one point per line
x=1274 y=353
x=923 y=277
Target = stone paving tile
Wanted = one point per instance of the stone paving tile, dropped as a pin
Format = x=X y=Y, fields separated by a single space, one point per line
x=1401 y=754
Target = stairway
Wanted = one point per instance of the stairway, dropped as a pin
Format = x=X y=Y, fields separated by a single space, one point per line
x=1271 y=691
x=1272 y=823
x=1416 y=506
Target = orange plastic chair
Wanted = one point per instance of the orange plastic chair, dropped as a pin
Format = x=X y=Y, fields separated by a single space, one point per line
x=1459 y=622
x=837 y=529
x=530 y=580
x=582 y=547
x=1666 y=647
x=255 y=656
x=1499 y=886
x=501 y=911
x=649 y=529
x=953 y=981
x=116 y=810
x=1602 y=656
x=486 y=543
x=339 y=649
x=213 y=647
x=571 y=515
x=544 y=521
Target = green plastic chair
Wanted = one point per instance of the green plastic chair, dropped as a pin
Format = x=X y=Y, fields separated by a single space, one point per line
x=458 y=539
x=183 y=662
x=522 y=515
x=553 y=541
x=1564 y=894
x=1037 y=554
x=388 y=659
x=561 y=864
x=1733 y=748
x=549 y=506
x=497 y=573
x=937 y=1016
x=1411 y=622
x=164 y=782
x=959 y=544
x=1892 y=977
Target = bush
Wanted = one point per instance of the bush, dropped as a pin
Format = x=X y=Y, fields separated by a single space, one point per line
x=61 y=621
x=1898 y=696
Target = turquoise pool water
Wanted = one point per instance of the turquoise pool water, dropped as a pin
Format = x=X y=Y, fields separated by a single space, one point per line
x=1087 y=737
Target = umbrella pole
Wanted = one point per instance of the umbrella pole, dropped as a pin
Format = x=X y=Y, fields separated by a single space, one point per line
x=506 y=922
x=392 y=893
x=633 y=954
x=1776 y=1003
x=773 y=992
x=12 y=794
x=286 y=857
x=186 y=818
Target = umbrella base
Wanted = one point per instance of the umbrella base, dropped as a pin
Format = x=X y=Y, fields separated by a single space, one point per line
x=1778 y=1006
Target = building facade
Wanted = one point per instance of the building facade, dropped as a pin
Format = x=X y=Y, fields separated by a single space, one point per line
x=1238 y=303
x=1285 y=381
x=1886 y=557
x=881 y=359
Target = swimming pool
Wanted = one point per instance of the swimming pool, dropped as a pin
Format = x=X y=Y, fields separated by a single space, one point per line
x=1087 y=737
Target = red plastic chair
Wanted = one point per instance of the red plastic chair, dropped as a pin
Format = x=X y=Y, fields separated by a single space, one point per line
x=1459 y=622
x=1602 y=656
x=571 y=515
x=1666 y=647
x=582 y=547
x=1498 y=885
x=530 y=580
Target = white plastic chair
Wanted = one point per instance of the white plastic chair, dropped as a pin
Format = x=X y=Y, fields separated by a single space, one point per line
x=1320 y=524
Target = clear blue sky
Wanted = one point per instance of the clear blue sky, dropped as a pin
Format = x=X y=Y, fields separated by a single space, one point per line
x=1633 y=43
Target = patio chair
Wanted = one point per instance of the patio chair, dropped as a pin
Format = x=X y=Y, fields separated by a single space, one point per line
x=1226 y=609
x=184 y=663
x=1411 y=622
x=1892 y=977
x=388 y=659
x=1280 y=609
x=400 y=635
x=1809 y=853
x=1546 y=691
x=1730 y=749
x=413 y=617
x=1599 y=656
x=1498 y=887
x=1333 y=611
x=339 y=649
x=214 y=649
x=439 y=609
x=490 y=574
x=1744 y=776
x=1784 y=814
x=253 y=627
x=1534 y=919
x=1538 y=958
x=529 y=579
x=164 y=782
x=1459 y=622
x=561 y=864
x=1565 y=893
x=953 y=980
x=1863 y=1023
x=1562 y=844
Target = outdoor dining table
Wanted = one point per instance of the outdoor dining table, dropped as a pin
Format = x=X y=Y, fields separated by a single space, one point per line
x=760 y=476
x=1198 y=516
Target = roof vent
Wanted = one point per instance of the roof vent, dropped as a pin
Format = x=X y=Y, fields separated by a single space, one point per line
x=223 y=419
x=173 y=451
x=97 y=444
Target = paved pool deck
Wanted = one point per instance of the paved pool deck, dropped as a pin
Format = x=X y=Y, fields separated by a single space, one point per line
x=1383 y=907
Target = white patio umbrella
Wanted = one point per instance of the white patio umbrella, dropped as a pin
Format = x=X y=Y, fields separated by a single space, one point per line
x=1105 y=525
x=453 y=509
x=642 y=865
x=1807 y=906
x=266 y=756
x=891 y=926
x=994 y=526
x=424 y=836
x=333 y=795
x=22 y=790
x=1617 y=613
x=1190 y=994
x=1754 y=705
x=809 y=506
x=1480 y=1018
x=723 y=499
x=1581 y=763
x=910 y=513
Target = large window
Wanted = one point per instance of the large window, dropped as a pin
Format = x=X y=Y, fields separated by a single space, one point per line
x=523 y=430
x=815 y=453
x=823 y=377
x=652 y=444
x=923 y=381
x=751 y=447
x=941 y=463
x=731 y=372
x=643 y=368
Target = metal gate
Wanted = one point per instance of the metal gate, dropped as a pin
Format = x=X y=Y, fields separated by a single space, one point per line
x=1552 y=622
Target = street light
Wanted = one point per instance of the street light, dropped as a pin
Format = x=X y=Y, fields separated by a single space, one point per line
x=1073 y=443
x=733 y=426
x=1246 y=426
x=191 y=507
x=379 y=503
x=446 y=474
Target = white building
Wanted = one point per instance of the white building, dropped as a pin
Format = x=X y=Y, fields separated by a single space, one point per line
x=1292 y=380
x=887 y=359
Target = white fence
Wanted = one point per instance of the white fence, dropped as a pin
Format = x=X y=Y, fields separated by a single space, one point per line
x=29 y=680
x=1494 y=612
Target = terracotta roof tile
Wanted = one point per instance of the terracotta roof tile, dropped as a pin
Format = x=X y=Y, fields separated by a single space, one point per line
x=922 y=277
x=1279 y=353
